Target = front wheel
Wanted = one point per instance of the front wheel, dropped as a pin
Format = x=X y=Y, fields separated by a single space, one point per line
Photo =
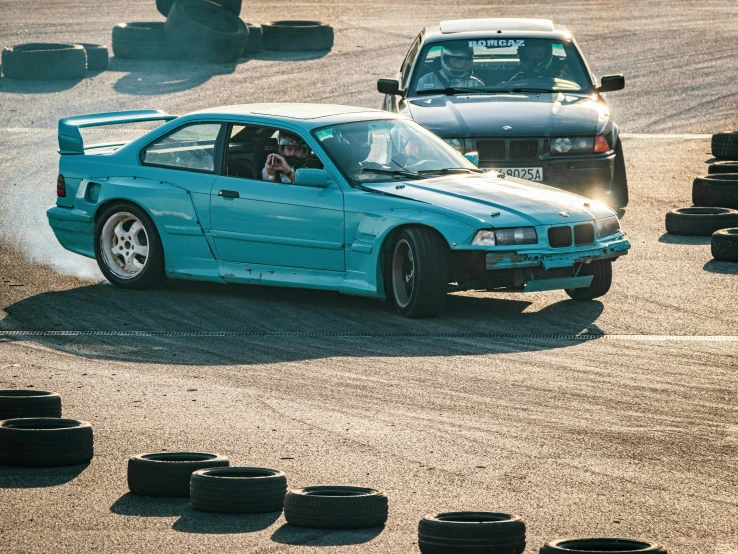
x=418 y=273
x=619 y=188
x=601 y=271
x=128 y=248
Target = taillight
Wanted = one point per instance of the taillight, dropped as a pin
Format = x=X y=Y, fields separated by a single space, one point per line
x=601 y=144
x=61 y=187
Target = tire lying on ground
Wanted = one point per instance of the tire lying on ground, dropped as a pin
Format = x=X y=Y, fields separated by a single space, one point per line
x=722 y=167
x=168 y=473
x=724 y=245
x=297 y=36
x=45 y=62
x=700 y=221
x=238 y=490
x=471 y=533
x=256 y=39
x=29 y=403
x=145 y=40
x=336 y=507
x=231 y=5
x=725 y=145
x=595 y=546
x=97 y=56
x=204 y=30
x=718 y=189
x=45 y=442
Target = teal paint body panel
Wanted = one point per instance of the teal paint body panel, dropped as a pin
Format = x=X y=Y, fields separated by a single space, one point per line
x=329 y=238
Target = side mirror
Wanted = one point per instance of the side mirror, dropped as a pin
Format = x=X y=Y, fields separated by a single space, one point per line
x=473 y=157
x=610 y=83
x=389 y=86
x=311 y=177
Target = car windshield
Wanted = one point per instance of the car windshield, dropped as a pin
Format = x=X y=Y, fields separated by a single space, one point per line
x=501 y=65
x=389 y=149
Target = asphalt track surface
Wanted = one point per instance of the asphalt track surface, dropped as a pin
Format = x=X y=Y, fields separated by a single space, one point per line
x=610 y=418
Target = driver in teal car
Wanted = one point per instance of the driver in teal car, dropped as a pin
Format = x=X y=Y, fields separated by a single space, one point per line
x=293 y=154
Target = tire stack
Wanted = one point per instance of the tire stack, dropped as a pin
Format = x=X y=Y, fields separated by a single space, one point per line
x=195 y=29
x=38 y=61
x=715 y=202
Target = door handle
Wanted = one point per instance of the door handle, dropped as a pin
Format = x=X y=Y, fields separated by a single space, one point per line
x=228 y=193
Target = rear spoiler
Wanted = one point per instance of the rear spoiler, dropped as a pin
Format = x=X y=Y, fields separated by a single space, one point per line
x=70 y=139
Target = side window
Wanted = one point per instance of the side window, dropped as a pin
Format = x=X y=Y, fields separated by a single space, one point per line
x=190 y=148
x=408 y=63
x=249 y=146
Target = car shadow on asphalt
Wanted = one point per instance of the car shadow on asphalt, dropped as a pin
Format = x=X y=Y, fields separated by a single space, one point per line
x=38 y=477
x=725 y=268
x=180 y=323
x=668 y=238
x=296 y=536
x=147 y=77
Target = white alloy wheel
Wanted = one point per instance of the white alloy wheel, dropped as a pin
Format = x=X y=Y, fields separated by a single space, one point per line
x=124 y=245
x=403 y=273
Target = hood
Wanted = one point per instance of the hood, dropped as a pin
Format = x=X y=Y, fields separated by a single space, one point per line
x=507 y=202
x=485 y=114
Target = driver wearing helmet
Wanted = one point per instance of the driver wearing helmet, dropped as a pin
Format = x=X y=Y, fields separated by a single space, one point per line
x=457 y=61
x=293 y=154
x=537 y=61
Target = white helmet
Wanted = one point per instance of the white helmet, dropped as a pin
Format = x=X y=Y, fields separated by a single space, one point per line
x=457 y=61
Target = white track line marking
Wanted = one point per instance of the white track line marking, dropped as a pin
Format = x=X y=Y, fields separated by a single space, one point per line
x=299 y=334
x=51 y=130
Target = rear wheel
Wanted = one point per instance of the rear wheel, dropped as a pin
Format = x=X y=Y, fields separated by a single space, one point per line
x=601 y=271
x=418 y=273
x=128 y=248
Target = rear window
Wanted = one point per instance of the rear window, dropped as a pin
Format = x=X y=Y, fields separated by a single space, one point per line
x=189 y=148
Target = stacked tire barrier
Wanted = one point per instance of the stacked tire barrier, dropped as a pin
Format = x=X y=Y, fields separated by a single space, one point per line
x=168 y=474
x=715 y=202
x=45 y=442
x=39 y=61
x=29 y=403
x=471 y=532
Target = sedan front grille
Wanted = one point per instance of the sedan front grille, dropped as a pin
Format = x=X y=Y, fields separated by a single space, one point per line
x=491 y=149
x=559 y=237
x=523 y=149
x=584 y=234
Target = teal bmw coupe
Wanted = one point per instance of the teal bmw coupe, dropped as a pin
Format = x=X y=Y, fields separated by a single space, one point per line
x=320 y=196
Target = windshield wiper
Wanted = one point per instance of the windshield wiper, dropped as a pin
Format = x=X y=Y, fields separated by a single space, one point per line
x=447 y=170
x=530 y=89
x=392 y=172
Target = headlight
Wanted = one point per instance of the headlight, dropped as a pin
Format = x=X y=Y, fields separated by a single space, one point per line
x=484 y=238
x=518 y=235
x=506 y=237
x=456 y=144
x=607 y=226
x=572 y=145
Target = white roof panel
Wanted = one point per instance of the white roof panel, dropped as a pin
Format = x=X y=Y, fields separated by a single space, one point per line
x=498 y=24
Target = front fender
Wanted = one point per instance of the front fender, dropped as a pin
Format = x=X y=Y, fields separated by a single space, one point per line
x=364 y=254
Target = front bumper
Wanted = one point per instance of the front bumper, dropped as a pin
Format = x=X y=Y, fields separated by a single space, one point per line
x=548 y=259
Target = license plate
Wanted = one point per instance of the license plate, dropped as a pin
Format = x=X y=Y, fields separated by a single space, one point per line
x=529 y=173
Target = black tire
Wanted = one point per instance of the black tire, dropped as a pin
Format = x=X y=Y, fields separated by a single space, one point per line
x=725 y=146
x=45 y=442
x=29 y=403
x=335 y=507
x=297 y=36
x=597 y=546
x=231 y=5
x=152 y=274
x=97 y=56
x=238 y=490
x=619 y=187
x=722 y=167
x=145 y=40
x=167 y=474
x=724 y=245
x=45 y=62
x=719 y=190
x=700 y=221
x=255 y=43
x=602 y=279
x=204 y=30
x=471 y=533
x=417 y=278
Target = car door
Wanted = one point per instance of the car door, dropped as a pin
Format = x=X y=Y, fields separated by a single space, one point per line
x=272 y=223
